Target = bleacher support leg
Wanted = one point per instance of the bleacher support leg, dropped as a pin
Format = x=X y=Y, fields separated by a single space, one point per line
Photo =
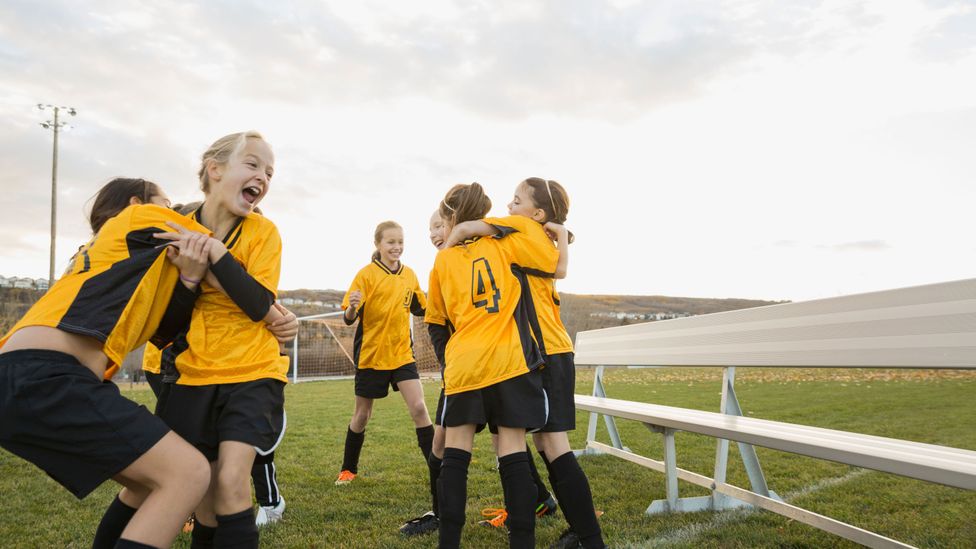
x=609 y=421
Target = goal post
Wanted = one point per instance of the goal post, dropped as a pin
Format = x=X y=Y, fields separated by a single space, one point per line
x=323 y=348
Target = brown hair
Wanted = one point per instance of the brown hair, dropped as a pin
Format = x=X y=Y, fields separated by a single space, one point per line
x=221 y=151
x=114 y=197
x=378 y=234
x=464 y=203
x=550 y=197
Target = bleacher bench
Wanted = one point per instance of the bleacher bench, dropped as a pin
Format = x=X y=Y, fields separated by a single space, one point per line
x=932 y=326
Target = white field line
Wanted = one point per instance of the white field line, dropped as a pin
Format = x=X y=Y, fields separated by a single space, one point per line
x=689 y=533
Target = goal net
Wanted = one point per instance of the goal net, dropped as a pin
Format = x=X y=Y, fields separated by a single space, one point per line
x=323 y=348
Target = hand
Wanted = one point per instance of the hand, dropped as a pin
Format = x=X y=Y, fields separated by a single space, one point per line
x=286 y=328
x=355 y=300
x=189 y=251
x=556 y=231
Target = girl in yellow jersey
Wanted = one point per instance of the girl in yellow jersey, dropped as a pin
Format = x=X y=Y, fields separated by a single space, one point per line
x=382 y=296
x=55 y=410
x=541 y=201
x=491 y=360
x=229 y=398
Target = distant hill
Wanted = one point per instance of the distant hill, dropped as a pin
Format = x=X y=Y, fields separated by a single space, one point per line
x=579 y=312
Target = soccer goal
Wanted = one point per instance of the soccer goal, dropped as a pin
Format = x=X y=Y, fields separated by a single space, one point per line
x=323 y=348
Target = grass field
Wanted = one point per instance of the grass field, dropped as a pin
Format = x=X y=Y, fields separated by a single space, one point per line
x=926 y=406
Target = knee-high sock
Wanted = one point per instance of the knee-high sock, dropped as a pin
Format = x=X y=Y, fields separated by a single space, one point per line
x=202 y=536
x=452 y=494
x=114 y=521
x=354 y=445
x=265 y=478
x=573 y=490
x=425 y=439
x=542 y=493
x=129 y=544
x=434 y=467
x=236 y=531
x=520 y=496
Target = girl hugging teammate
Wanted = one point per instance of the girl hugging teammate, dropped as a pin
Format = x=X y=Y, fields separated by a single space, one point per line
x=55 y=410
x=545 y=203
x=491 y=360
x=382 y=297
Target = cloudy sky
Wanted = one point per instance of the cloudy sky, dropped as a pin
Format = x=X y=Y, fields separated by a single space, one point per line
x=755 y=149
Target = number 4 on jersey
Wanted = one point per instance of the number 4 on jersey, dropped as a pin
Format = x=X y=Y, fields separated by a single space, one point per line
x=484 y=293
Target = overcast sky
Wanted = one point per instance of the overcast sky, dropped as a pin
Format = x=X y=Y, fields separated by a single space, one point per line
x=767 y=149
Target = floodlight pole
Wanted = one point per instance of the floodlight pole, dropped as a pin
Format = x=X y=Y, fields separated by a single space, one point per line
x=56 y=127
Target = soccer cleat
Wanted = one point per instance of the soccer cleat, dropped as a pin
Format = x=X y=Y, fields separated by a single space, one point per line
x=345 y=477
x=568 y=540
x=270 y=513
x=546 y=508
x=495 y=517
x=424 y=524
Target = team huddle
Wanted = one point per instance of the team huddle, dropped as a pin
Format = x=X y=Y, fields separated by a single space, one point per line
x=197 y=284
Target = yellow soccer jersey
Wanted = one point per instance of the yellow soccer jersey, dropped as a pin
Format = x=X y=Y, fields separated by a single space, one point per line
x=555 y=338
x=473 y=287
x=223 y=345
x=383 y=339
x=152 y=359
x=118 y=286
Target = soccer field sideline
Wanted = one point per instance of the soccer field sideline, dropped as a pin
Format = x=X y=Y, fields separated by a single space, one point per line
x=393 y=486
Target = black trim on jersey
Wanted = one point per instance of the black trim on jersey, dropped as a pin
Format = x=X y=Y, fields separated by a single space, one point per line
x=102 y=298
x=386 y=269
x=357 y=340
x=527 y=303
x=167 y=362
x=253 y=298
x=555 y=299
x=353 y=321
x=233 y=232
x=503 y=230
x=176 y=319
x=87 y=267
x=415 y=308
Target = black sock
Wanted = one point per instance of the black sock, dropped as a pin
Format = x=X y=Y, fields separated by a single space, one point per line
x=202 y=536
x=129 y=544
x=425 y=439
x=452 y=494
x=354 y=445
x=434 y=466
x=114 y=521
x=520 y=495
x=237 y=531
x=573 y=490
x=265 y=479
x=542 y=493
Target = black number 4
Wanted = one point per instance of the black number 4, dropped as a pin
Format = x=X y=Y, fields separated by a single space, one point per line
x=482 y=294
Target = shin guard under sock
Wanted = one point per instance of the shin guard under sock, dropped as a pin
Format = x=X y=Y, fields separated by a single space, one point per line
x=425 y=439
x=202 y=536
x=520 y=497
x=114 y=521
x=236 y=531
x=354 y=445
x=542 y=493
x=452 y=494
x=573 y=489
x=434 y=467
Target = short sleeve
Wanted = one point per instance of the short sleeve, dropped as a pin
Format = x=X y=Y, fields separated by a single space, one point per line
x=264 y=260
x=527 y=243
x=358 y=283
x=436 y=311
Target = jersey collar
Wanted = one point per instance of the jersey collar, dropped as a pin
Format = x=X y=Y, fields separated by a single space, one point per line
x=386 y=269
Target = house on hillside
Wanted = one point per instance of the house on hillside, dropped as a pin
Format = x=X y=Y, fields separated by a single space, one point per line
x=41 y=284
x=26 y=283
x=6 y=282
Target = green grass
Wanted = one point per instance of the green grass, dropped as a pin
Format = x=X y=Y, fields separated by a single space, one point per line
x=929 y=407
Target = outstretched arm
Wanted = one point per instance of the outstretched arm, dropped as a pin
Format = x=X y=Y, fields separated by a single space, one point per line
x=469 y=229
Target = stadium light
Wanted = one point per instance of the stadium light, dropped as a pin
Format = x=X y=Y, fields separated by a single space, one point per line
x=56 y=126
